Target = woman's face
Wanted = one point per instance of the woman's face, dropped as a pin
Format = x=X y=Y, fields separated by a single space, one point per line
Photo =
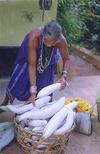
x=49 y=42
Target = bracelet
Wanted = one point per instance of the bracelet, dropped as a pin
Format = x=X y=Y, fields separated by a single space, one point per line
x=33 y=89
x=64 y=74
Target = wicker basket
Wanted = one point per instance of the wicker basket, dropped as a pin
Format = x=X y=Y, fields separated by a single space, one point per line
x=53 y=145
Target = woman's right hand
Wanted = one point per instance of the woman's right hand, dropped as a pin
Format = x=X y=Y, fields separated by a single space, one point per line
x=31 y=99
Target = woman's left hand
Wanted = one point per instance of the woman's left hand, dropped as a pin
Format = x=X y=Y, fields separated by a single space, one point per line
x=63 y=82
x=31 y=99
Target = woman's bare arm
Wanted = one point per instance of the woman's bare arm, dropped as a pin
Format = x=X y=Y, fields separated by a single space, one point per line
x=63 y=48
x=32 y=59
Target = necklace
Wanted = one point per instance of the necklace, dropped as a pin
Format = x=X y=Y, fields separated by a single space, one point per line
x=40 y=66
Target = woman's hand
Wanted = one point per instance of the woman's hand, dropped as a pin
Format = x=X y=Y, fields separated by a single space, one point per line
x=63 y=82
x=31 y=99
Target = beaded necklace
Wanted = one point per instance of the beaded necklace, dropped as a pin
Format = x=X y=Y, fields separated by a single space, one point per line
x=40 y=66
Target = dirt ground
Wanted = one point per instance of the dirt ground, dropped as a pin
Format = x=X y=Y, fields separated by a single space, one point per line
x=82 y=68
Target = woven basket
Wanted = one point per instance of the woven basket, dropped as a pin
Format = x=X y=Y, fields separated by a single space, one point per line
x=53 y=145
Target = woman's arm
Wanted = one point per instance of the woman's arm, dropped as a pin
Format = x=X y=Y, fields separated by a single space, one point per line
x=63 y=48
x=32 y=58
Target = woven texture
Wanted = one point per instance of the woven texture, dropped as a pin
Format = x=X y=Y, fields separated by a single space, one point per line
x=53 y=145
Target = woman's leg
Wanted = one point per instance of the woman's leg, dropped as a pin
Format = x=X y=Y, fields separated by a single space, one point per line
x=7 y=100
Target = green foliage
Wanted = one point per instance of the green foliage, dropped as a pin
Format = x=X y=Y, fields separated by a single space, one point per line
x=80 y=21
x=68 y=18
x=92 y=23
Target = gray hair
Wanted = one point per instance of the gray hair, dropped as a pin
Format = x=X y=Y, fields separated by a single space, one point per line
x=52 y=30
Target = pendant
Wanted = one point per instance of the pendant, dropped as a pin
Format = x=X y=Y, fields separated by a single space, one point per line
x=40 y=69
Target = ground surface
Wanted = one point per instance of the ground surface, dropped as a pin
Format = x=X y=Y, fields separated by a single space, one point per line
x=86 y=84
x=83 y=68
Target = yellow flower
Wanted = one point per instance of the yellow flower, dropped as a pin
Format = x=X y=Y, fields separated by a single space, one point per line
x=83 y=106
x=77 y=99
x=68 y=100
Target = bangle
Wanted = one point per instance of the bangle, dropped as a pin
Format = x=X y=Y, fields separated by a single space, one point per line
x=33 y=89
x=64 y=74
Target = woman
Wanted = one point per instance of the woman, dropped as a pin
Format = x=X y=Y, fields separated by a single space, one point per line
x=35 y=63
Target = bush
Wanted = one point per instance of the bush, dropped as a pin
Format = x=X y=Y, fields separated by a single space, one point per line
x=80 y=21
x=67 y=16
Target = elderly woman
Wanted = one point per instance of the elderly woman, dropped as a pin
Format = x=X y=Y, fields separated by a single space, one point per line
x=35 y=64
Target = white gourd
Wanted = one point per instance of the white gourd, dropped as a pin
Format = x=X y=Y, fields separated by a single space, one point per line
x=67 y=125
x=72 y=105
x=37 y=123
x=57 y=119
x=24 y=123
x=55 y=122
x=5 y=108
x=6 y=138
x=21 y=109
x=27 y=129
x=35 y=138
x=5 y=125
x=42 y=101
x=41 y=146
x=1 y=133
x=49 y=90
x=48 y=105
x=38 y=129
x=43 y=113
x=18 y=105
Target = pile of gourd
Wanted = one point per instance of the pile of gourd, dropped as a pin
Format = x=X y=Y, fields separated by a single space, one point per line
x=6 y=134
x=44 y=116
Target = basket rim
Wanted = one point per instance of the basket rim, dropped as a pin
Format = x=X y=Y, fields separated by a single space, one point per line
x=40 y=133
